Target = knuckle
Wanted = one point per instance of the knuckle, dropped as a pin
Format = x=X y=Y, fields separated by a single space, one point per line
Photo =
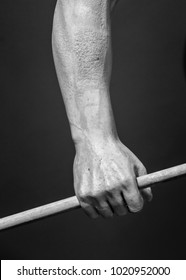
x=111 y=191
x=84 y=195
x=96 y=195
x=104 y=210
x=127 y=179
x=85 y=206
x=81 y=196
x=117 y=202
x=127 y=182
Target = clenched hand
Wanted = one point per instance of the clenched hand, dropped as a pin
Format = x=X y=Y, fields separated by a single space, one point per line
x=105 y=179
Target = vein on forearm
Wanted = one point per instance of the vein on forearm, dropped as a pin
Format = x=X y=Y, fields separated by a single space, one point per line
x=82 y=54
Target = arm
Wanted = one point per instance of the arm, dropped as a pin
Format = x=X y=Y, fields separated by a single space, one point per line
x=104 y=169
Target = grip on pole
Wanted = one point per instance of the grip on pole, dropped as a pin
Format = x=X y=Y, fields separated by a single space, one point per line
x=73 y=203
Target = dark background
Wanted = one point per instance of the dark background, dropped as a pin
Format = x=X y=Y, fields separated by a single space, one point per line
x=148 y=92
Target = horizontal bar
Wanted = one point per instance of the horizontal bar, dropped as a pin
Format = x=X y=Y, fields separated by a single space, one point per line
x=73 y=203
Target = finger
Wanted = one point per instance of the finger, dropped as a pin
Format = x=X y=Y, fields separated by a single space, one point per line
x=89 y=210
x=132 y=196
x=104 y=209
x=147 y=194
x=117 y=203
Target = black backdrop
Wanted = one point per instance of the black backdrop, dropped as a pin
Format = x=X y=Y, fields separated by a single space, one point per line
x=148 y=92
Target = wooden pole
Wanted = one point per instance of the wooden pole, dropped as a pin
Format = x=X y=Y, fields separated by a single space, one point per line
x=72 y=202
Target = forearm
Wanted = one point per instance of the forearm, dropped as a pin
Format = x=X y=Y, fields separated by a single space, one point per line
x=81 y=42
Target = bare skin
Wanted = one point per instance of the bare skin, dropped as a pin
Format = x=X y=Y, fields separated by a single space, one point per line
x=105 y=170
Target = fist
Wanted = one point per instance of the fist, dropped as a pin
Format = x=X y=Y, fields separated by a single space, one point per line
x=105 y=183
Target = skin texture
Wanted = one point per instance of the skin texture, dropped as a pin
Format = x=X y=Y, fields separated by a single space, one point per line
x=105 y=170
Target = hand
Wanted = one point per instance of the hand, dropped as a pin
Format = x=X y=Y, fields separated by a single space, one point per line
x=105 y=174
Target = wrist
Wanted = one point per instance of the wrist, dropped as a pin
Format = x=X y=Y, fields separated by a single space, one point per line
x=96 y=138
